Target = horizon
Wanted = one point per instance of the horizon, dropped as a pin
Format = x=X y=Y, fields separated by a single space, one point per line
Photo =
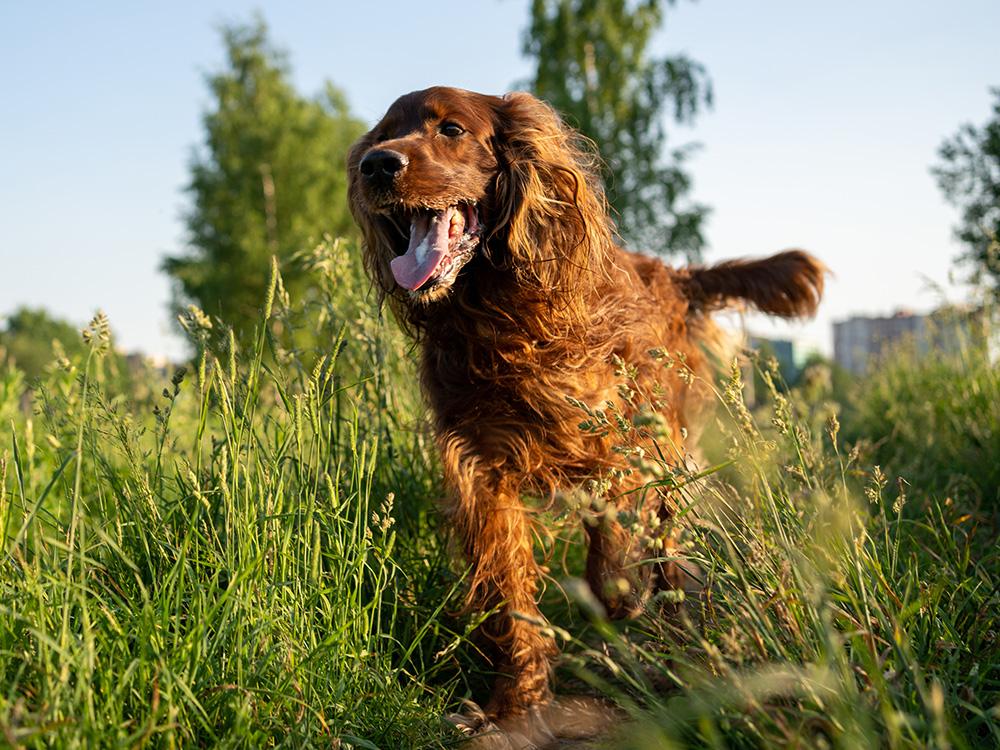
x=842 y=111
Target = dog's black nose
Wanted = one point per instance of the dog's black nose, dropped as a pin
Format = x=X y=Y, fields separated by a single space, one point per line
x=383 y=165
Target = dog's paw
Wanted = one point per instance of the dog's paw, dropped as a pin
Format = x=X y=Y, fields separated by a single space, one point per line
x=485 y=734
x=577 y=717
x=471 y=720
x=541 y=726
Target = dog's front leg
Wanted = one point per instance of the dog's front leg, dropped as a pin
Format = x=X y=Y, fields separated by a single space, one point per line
x=615 y=571
x=623 y=573
x=495 y=532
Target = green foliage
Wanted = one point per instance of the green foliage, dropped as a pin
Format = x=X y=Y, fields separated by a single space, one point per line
x=969 y=177
x=592 y=65
x=934 y=420
x=823 y=378
x=245 y=564
x=30 y=338
x=830 y=619
x=247 y=555
x=270 y=181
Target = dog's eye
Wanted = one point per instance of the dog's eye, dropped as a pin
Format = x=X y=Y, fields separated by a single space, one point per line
x=451 y=129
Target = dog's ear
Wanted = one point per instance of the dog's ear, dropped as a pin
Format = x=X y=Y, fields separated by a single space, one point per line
x=550 y=210
x=789 y=284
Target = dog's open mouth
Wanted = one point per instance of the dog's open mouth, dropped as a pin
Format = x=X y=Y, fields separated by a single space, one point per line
x=441 y=242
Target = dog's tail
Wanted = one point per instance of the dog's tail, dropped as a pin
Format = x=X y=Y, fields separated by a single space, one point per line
x=789 y=284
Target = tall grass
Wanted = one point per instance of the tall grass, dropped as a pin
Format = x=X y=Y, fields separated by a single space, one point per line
x=830 y=618
x=248 y=555
x=933 y=416
x=225 y=569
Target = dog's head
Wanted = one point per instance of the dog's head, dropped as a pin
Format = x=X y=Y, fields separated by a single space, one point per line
x=449 y=179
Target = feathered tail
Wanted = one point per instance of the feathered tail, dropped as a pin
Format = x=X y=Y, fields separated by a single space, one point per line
x=789 y=284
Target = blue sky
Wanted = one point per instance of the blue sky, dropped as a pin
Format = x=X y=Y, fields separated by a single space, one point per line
x=826 y=120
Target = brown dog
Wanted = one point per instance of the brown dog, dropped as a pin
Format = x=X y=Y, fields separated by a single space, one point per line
x=486 y=229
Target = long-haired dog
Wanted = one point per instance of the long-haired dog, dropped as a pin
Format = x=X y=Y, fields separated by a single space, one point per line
x=486 y=231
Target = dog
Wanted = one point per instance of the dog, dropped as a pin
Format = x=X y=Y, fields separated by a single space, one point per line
x=486 y=231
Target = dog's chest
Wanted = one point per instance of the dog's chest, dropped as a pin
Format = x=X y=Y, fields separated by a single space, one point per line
x=534 y=386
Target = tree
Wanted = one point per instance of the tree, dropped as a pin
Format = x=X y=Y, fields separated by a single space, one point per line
x=31 y=338
x=270 y=180
x=593 y=68
x=969 y=177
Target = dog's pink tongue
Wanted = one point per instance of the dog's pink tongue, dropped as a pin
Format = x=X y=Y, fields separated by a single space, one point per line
x=428 y=247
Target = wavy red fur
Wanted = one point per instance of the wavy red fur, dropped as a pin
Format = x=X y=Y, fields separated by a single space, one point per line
x=541 y=312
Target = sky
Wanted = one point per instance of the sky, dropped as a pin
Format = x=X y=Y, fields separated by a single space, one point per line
x=826 y=120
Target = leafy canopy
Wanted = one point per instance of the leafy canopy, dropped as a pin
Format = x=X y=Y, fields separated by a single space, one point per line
x=969 y=177
x=34 y=343
x=269 y=181
x=31 y=338
x=592 y=66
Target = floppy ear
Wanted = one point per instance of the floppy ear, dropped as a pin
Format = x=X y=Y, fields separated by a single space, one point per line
x=376 y=231
x=789 y=284
x=550 y=206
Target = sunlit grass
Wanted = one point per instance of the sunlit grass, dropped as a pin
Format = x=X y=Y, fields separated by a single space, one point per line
x=223 y=568
x=834 y=614
x=245 y=553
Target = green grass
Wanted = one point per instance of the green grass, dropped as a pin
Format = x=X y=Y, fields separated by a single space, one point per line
x=844 y=610
x=934 y=418
x=248 y=554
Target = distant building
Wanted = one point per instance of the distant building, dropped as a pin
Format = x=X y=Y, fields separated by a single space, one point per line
x=859 y=340
x=782 y=350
